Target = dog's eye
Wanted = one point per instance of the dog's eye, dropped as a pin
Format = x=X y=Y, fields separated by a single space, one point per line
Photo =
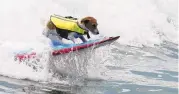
x=94 y=25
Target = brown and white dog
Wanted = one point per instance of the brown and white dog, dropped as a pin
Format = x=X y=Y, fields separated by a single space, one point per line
x=89 y=24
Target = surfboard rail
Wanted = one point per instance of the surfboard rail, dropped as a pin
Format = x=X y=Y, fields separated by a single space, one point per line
x=75 y=48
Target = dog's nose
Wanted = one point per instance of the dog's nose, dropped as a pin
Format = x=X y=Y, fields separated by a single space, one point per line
x=97 y=33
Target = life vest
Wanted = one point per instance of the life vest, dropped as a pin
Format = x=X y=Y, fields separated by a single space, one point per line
x=67 y=24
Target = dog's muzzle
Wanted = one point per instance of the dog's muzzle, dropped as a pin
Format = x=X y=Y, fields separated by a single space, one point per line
x=96 y=32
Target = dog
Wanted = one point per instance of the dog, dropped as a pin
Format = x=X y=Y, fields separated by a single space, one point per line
x=70 y=28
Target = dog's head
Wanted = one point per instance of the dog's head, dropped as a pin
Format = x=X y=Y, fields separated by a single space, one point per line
x=91 y=24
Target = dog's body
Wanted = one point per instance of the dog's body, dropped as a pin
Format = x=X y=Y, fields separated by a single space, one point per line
x=56 y=28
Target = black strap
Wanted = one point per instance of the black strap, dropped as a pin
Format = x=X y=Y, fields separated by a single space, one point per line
x=70 y=17
x=88 y=36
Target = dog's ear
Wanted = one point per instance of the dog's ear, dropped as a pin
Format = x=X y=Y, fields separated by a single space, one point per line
x=85 y=21
x=89 y=19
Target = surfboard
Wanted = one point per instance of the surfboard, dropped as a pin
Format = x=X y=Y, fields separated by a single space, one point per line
x=67 y=48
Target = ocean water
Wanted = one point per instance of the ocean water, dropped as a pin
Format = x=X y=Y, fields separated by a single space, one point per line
x=143 y=60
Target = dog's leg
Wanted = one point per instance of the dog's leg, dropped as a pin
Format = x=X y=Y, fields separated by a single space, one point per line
x=82 y=38
x=76 y=35
x=71 y=36
x=60 y=39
